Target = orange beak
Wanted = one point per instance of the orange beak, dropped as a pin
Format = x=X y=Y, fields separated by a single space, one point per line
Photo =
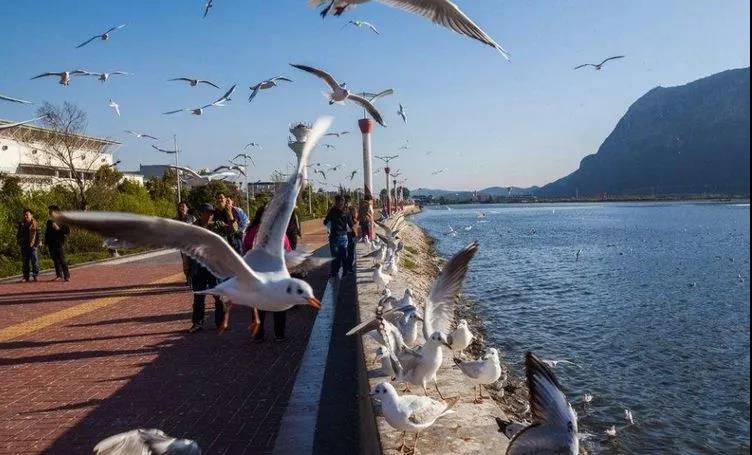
x=314 y=302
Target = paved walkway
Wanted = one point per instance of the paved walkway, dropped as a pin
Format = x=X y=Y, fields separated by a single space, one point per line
x=108 y=352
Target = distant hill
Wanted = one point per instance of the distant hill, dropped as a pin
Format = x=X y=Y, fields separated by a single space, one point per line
x=681 y=140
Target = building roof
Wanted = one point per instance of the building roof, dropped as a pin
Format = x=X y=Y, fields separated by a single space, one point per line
x=33 y=128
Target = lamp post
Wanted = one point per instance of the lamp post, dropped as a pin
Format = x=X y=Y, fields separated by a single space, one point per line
x=387 y=170
x=301 y=131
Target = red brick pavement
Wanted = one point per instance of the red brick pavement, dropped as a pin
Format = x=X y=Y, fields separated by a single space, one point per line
x=130 y=364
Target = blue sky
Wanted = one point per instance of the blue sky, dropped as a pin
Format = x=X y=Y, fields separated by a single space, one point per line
x=489 y=122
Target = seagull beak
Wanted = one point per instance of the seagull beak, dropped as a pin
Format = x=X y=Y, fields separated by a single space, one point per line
x=314 y=302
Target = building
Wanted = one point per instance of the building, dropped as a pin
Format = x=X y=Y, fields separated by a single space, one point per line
x=24 y=153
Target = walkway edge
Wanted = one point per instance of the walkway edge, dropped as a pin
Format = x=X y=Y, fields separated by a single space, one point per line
x=298 y=425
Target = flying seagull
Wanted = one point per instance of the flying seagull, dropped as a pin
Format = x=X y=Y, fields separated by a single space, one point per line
x=360 y=24
x=5 y=126
x=200 y=110
x=209 y=4
x=260 y=279
x=194 y=82
x=171 y=152
x=440 y=12
x=340 y=93
x=142 y=441
x=14 y=100
x=554 y=427
x=251 y=144
x=104 y=36
x=353 y=174
x=103 y=77
x=245 y=156
x=265 y=85
x=65 y=76
x=402 y=113
x=329 y=146
x=341 y=133
x=115 y=107
x=599 y=66
x=234 y=167
x=372 y=97
x=140 y=135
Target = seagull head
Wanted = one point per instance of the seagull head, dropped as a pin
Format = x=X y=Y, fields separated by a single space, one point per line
x=440 y=339
x=462 y=324
x=383 y=390
x=381 y=352
x=299 y=292
x=492 y=354
x=408 y=293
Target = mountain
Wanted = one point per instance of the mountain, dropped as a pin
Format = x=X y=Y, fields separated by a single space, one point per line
x=689 y=139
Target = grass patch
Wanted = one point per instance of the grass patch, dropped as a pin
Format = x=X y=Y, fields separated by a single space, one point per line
x=411 y=249
x=408 y=264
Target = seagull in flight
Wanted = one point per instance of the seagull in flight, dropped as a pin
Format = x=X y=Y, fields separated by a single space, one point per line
x=104 y=36
x=599 y=66
x=259 y=280
x=194 y=82
x=440 y=12
x=251 y=144
x=14 y=100
x=337 y=135
x=340 y=93
x=234 y=167
x=200 y=110
x=372 y=97
x=438 y=171
x=244 y=156
x=402 y=113
x=103 y=77
x=115 y=107
x=353 y=174
x=329 y=146
x=360 y=24
x=143 y=441
x=554 y=427
x=265 y=85
x=209 y=4
x=319 y=171
x=65 y=76
x=140 y=135
x=171 y=152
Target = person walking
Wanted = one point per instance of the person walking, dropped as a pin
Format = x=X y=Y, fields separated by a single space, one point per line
x=339 y=222
x=352 y=237
x=365 y=217
x=280 y=317
x=27 y=237
x=294 y=232
x=54 y=237
x=201 y=278
x=184 y=215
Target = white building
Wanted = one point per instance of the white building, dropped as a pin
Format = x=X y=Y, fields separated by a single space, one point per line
x=23 y=154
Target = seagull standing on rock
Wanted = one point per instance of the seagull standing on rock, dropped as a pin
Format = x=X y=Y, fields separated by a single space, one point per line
x=461 y=337
x=483 y=371
x=380 y=278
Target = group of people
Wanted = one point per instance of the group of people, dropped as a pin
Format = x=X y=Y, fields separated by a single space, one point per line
x=346 y=225
x=29 y=237
x=234 y=225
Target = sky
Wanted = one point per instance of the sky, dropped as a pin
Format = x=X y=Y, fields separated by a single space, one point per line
x=486 y=121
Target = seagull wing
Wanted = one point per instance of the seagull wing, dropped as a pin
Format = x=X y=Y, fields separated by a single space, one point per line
x=269 y=247
x=175 y=112
x=120 y=72
x=280 y=78
x=612 y=58
x=187 y=170
x=14 y=100
x=326 y=77
x=446 y=14
x=471 y=368
x=386 y=92
x=113 y=29
x=5 y=126
x=203 y=245
x=439 y=311
x=583 y=66
x=254 y=93
x=208 y=83
x=88 y=41
x=224 y=97
x=149 y=136
x=424 y=410
x=368 y=106
x=186 y=79
x=47 y=74
x=128 y=443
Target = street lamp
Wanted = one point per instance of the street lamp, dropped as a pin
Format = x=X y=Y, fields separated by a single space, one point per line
x=387 y=170
x=300 y=131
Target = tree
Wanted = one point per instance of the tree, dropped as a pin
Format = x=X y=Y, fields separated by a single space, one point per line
x=65 y=145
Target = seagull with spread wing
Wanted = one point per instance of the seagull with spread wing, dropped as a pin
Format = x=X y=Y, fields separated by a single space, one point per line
x=5 y=126
x=340 y=93
x=599 y=66
x=265 y=85
x=259 y=280
x=169 y=152
x=233 y=168
x=440 y=12
x=141 y=135
x=402 y=112
x=103 y=36
x=194 y=82
x=14 y=100
x=554 y=427
x=64 y=76
x=338 y=135
x=200 y=110
x=104 y=77
x=115 y=107
x=361 y=24
x=141 y=441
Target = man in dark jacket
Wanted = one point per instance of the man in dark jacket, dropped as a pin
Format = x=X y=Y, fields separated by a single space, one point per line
x=202 y=279
x=339 y=223
x=27 y=237
x=54 y=237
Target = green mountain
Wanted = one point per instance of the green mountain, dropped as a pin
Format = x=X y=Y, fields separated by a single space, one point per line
x=690 y=139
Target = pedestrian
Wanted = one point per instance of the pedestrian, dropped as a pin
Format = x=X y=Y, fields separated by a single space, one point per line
x=27 y=237
x=224 y=214
x=339 y=222
x=280 y=317
x=54 y=237
x=184 y=215
x=240 y=215
x=365 y=217
x=294 y=232
x=202 y=279
x=352 y=235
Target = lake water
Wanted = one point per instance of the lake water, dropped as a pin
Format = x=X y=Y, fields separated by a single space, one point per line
x=655 y=313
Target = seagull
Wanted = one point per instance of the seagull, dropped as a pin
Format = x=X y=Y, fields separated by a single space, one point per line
x=209 y=4
x=409 y=412
x=611 y=432
x=587 y=398
x=232 y=168
x=352 y=174
x=509 y=428
x=140 y=135
x=438 y=171
x=200 y=110
x=380 y=278
x=372 y=97
x=245 y=156
x=337 y=135
x=5 y=126
x=65 y=76
x=251 y=144
x=555 y=363
x=264 y=85
x=402 y=113
x=103 y=77
x=260 y=279
x=628 y=416
x=319 y=171
x=461 y=337
x=153 y=442
x=14 y=100
x=577 y=256
x=440 y=12
x=360 y=24
x=340 y=93
x=382 y=355
x=483 y=371
x=115 y=107
x=554 y=427
x=194 y=82
x=104 y=36
x=599 y=66
x=329 y=146
x=171 y=152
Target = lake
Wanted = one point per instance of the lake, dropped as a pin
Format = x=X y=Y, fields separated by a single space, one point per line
x=655 y=312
